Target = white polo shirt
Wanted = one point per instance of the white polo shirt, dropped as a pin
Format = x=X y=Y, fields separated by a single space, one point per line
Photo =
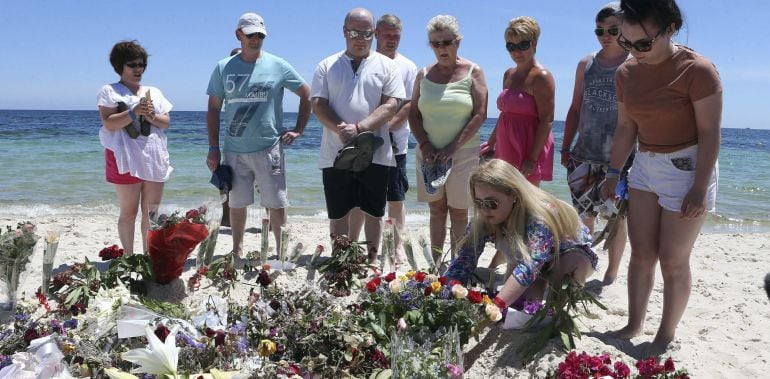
x=355 y=95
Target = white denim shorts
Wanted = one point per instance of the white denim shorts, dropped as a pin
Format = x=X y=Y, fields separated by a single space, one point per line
x=267 y=169
x=670 y=176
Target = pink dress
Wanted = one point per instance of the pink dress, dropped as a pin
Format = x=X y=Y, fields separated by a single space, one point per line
x=515 y=133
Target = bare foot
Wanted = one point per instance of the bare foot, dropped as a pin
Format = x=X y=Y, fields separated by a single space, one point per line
x=626 y=333
x=658 y=347
x=608 y=279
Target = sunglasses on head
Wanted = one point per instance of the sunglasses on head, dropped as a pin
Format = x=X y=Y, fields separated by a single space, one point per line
x=136 y=64
x=353 y=34
x=255 y=35
x=486 y=204
x=523 y=46
x=446 y=42
x=642 y=45
x=611 y=31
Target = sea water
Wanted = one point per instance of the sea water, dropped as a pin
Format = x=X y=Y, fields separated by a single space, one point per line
x=51 y=162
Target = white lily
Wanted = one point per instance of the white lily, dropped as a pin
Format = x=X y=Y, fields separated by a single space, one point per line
x=114 y=373
x=160 y=358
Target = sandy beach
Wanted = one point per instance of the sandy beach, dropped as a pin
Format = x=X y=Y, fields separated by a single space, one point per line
x=724 y=332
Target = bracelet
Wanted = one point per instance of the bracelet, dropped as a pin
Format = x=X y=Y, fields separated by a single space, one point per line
x=613 y=171
x=358 y=129
x=611 y=176
x=213 y=148
x=499 y=302
x=422 y=144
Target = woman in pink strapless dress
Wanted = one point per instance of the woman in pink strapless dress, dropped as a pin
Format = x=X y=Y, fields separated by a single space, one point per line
x=523 y=136
x=515 y=132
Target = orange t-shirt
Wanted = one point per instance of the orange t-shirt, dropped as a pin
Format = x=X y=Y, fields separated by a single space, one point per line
x=659 y=97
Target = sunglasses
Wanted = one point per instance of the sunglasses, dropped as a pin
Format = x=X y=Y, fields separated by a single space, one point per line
x=486 y=204
x=641 y=45
x=444 y=43
x=611 y=31
x=255 y=35
x=523 y=46
x=353 y=34
x=136 y=64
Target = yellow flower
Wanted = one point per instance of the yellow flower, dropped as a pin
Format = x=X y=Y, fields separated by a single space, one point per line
x=403 y=278
x=68 y=348
x=435 y=287
x=266 y=348
x=410 y=274
x=486 y=300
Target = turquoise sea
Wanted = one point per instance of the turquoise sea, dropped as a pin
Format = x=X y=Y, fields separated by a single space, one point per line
x=51 y=162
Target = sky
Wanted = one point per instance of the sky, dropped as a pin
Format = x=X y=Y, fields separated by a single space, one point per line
x=55 y=53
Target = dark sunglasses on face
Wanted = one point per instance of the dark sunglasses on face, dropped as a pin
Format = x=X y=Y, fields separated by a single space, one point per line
x=523 y=46
x=447 y=43
x=486 y=204
x=611 y=31
x=255 y=35
x=642 y=45
x=136 y=64
x=353 y=34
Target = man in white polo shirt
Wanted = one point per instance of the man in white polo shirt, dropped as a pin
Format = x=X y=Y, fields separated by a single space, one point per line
x=354 y=91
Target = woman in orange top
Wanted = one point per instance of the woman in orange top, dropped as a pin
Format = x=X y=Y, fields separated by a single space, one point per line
x=670 y=99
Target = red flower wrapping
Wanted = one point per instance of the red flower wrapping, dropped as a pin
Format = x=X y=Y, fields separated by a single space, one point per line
x=170 y=246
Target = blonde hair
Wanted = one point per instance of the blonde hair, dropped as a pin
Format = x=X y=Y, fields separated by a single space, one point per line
x=444 y=22
x=523 y=27
x=560 y=217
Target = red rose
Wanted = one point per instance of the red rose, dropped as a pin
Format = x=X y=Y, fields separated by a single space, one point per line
x=219 y=340
x=31 y=334
x=264 y=278
x=454 y=281
x=419 y=276
x=112 y=252
x=442 y=280
x=192 y=213
x=474 y=296
x=372 y=285
x=428 y=290
x=162 y=332
x=622 y=370
x=669 y=365
x=390 y=277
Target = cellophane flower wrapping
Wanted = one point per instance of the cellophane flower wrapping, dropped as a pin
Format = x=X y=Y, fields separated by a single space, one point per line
x=16 y=248
x=171 y=241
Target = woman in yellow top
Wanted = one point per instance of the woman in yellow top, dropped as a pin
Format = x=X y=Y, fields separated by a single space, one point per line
x=449 y=106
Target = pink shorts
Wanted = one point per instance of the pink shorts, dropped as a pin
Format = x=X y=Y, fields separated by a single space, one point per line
x=111 y=171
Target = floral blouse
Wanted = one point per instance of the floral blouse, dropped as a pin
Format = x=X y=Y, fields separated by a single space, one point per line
x=540 y=243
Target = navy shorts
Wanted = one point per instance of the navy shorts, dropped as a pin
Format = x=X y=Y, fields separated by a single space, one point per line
x=397 y=182
x=345 y=190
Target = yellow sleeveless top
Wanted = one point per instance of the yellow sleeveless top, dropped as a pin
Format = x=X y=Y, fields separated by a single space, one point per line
x=445 y=109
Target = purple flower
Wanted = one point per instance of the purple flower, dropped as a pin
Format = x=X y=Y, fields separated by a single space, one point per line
x=71 y=323
x=445 y=293
x=532 y=306
x=190 y=341
x=57 y=326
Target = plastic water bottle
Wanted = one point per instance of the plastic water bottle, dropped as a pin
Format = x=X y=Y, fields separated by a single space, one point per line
x=608 y=209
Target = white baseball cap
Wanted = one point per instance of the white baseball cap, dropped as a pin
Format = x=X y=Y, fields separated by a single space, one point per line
x=250 y=23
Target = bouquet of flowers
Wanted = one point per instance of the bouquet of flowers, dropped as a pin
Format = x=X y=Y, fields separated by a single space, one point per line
x=16 y=247
x=416 y=300
x=171 y=239
x=583 y=365
x=347 y=264
x=440 y=356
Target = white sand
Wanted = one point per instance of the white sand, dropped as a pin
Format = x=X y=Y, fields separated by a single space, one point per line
x=725 y=331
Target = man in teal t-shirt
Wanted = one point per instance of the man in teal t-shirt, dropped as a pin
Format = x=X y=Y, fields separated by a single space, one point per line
x=252 y=85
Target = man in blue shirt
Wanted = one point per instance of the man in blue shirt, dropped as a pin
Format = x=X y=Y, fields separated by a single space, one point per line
x=252 y=84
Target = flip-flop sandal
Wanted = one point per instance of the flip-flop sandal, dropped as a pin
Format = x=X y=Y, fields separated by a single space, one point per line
x=367 y=144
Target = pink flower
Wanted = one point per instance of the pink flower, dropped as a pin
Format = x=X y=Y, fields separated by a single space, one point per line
x=402 y=324
x=622 y=370
x=455 y=372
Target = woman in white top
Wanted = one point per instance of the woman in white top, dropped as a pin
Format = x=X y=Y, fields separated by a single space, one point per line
x=134 y=118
